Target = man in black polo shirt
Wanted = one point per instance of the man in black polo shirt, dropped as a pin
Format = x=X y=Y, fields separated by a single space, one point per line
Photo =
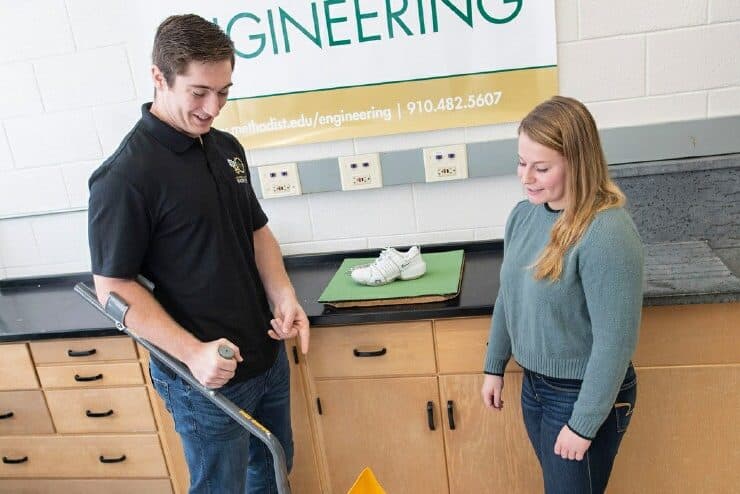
x=174 y=203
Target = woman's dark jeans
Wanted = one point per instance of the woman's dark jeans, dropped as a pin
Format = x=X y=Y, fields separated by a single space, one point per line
x=547 y=404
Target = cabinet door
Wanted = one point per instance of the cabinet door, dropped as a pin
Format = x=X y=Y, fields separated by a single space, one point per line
x=304 y=477
x=683 y=436
x=488 y=450
x=383 y=424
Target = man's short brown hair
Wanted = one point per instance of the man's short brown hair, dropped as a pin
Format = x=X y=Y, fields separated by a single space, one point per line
x=181 y=39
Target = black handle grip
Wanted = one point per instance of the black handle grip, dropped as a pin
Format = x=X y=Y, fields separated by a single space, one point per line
x=83 y=379
x=121 y=458
x=6 y=415
x=99 y=414
x=450 y=415
x=81 y=353
x=430 y=415
x=14 y=461
x=372 y=353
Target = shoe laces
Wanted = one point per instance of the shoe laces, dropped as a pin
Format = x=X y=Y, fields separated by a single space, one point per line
x=381 y=263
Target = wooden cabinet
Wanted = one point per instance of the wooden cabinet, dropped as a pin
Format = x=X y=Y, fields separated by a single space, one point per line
x=391 y=425
x=82 y=456
x=362 y=397
x=304 y=477
x=90 y=427
x=77 y=350
x=124 y=409
x=421 y=426
x=487 y=450
x=683 y=435
x=372 y=350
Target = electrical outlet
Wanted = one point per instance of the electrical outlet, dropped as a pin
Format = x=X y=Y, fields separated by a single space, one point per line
x=446 y=163
x=279 y=180
x=361 y=171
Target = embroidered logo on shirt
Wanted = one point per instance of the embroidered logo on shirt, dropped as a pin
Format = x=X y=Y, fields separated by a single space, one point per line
x=239 y=169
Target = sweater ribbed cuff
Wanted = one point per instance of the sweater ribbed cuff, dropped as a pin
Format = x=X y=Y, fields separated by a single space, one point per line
x=494 y=365
x=579 y=434
x=584 y=427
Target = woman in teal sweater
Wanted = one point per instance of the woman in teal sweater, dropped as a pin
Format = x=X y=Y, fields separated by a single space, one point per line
x=569 y=305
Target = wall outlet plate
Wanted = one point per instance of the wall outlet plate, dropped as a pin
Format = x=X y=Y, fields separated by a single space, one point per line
x=279 y=180
x=360 y=171
x=445 y=163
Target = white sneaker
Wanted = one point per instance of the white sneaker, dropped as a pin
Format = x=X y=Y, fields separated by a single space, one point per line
x=389 y=266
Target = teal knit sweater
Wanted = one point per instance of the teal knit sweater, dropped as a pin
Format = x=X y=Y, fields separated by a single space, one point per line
x=583 y=326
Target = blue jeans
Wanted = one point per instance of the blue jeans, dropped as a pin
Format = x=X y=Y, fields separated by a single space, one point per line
x=547 y=404
x=221 y=455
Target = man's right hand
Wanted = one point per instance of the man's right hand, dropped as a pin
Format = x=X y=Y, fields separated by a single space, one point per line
x=210 y=368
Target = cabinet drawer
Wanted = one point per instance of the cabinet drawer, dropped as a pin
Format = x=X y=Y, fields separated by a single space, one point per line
x=16 y=368
x=75 y=350
x=101 y=410
x=75 y=486
x=462 y=345
x=80 y=456
x=90 y=375
x=24 y=412
x=372 y=350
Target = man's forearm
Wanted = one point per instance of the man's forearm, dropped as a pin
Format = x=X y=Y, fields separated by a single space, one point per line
x=147 y=318
x=270 y=265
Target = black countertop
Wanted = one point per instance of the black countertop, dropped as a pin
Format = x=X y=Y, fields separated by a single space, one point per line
x=47 y=307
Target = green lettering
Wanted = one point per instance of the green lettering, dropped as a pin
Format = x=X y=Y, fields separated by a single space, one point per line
x=468 y=19
x=496 y=20
x=422 y=27
x=260 y=37
x=333 y=20
x=271 y=22
x=391 y=16
x=285 y=18
x=364 y=15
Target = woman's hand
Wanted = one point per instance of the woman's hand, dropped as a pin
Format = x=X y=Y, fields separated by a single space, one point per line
x=571 y=446
x=492 y=390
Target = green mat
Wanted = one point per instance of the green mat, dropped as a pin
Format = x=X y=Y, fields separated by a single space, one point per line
x=441 y=281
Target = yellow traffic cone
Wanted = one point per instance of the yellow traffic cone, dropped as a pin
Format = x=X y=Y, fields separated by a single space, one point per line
x=366 y=483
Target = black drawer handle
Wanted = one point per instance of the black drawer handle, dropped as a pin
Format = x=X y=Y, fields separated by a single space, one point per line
x=430 y=415
x=450 y=416
x=99 y=414
x=121 y=458
x=6 y=415
x=81 y=353
x=83 y=379
x=14 y=461
x=372 y=353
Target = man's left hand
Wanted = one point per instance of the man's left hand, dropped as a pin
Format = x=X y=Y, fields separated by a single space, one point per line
x=290 y=321
x=571 y=446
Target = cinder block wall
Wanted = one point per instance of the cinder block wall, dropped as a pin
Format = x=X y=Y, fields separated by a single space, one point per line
x=70 y=88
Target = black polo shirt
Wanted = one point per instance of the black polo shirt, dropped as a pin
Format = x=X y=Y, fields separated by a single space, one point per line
x=182 y=213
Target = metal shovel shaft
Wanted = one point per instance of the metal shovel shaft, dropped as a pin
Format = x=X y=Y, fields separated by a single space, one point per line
x=228 y=407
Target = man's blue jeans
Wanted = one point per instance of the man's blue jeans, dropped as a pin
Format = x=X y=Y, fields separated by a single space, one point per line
x=547 y=404
x=222 y=456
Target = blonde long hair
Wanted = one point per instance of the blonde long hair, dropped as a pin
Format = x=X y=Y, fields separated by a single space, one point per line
x=565 y=125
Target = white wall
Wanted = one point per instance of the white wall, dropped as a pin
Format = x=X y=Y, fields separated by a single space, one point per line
x=70 y=89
